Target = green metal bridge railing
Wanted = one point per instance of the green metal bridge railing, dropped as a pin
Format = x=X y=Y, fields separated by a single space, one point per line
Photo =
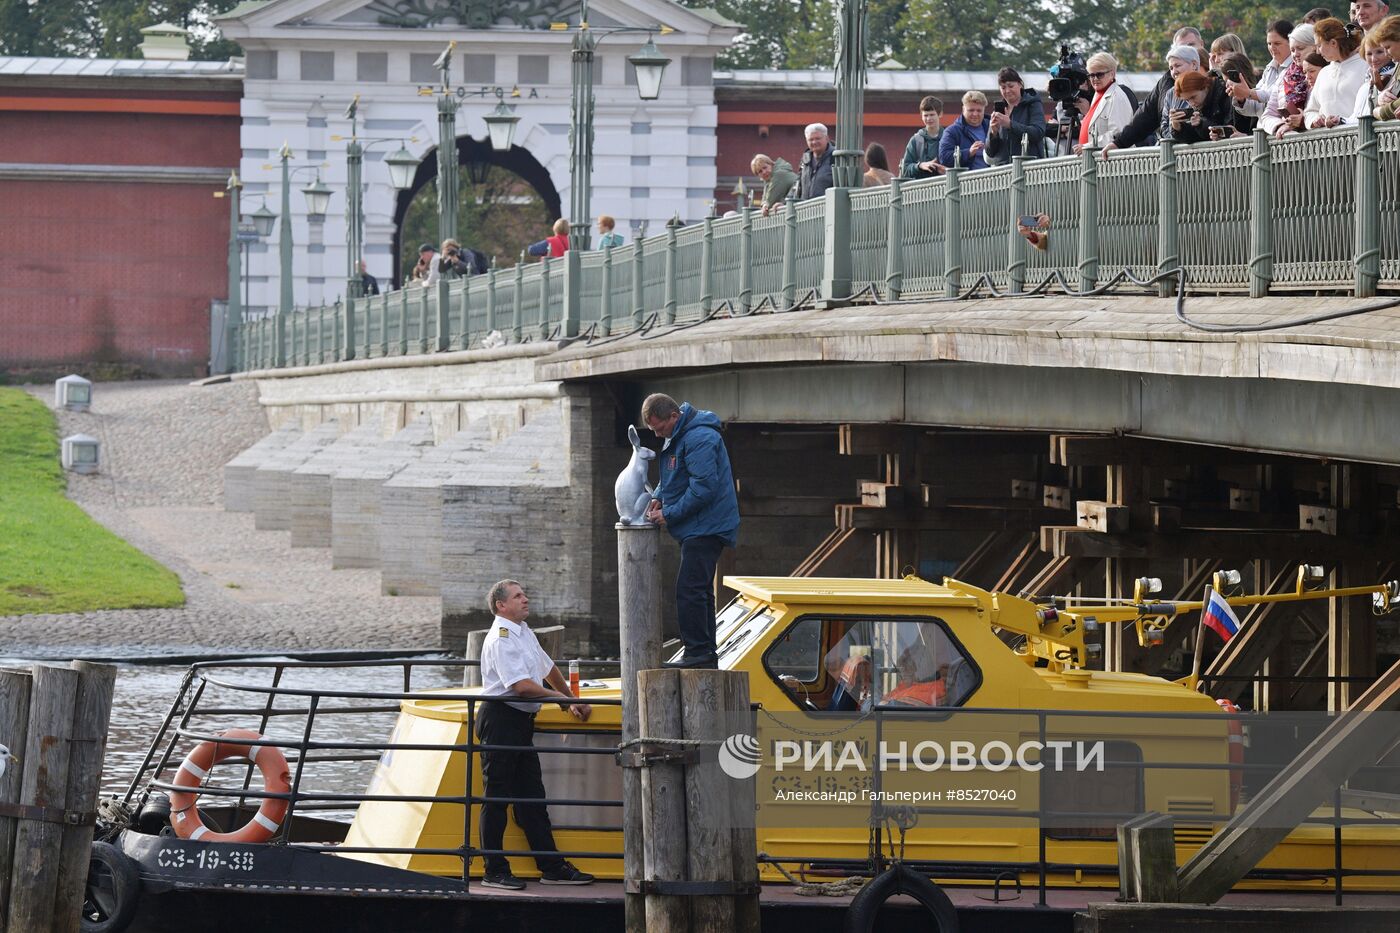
x=1313 y=212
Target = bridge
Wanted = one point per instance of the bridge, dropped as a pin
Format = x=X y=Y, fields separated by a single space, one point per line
x=1197 y=373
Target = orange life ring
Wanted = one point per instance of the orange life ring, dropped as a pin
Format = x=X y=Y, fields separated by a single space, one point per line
x=1236 y=752
x=184 y=816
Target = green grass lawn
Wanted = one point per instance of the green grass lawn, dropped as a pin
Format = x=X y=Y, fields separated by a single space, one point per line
x=53 y=557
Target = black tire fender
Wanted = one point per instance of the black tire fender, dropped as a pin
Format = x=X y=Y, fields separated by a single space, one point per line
x=112 y=892
x=865 y=906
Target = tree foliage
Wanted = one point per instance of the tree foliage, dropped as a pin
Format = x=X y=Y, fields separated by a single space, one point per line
x=1144 y=41
x=108 y=28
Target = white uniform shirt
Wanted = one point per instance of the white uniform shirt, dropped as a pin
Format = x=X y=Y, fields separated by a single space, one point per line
x=510 y=654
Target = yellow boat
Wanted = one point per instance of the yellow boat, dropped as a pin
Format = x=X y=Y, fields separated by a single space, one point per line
x=831 y=661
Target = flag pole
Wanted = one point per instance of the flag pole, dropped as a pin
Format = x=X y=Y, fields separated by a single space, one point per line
x=1200 y=641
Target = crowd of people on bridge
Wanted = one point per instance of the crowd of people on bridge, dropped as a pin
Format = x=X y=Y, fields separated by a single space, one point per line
x=1322 y=72
x=453 y=260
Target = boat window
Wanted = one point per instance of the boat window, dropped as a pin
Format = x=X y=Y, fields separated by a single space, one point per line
x=796 y=653
x=741 y=637
x=1116 y=792
x=844 y=664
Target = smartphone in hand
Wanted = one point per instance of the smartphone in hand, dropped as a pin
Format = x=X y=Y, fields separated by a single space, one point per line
x=1029 y=220
x=999 y=106
x=1234 y=75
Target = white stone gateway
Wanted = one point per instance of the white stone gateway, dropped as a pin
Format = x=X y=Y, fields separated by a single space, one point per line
x=307 y=58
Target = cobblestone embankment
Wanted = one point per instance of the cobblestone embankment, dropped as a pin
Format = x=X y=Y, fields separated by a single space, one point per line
x=164 y=445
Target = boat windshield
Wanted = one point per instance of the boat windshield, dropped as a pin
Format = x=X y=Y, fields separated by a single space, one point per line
x=729 y=622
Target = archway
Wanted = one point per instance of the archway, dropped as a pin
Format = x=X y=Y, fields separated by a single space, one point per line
x=476 y=156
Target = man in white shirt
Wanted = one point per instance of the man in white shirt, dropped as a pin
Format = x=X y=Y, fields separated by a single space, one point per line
x=514 y=664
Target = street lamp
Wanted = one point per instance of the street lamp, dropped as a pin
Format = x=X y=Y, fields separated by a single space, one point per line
x=850 y=93
x=318 y=198
x=500 y=127
x=263 y=219
x=284 y=304
x=233 y=316
x=402 y=166
x=649 y=63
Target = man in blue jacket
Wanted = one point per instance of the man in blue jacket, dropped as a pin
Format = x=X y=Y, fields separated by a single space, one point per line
x=695 y=501
x=965 y=139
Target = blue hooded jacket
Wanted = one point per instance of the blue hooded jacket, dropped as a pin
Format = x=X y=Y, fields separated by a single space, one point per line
x=959 y=136
x=697 y=484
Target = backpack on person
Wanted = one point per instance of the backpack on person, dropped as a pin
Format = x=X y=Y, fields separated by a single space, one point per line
x=480 y=264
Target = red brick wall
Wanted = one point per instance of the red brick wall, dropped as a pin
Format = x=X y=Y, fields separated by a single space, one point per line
x=120 y=272
x=111 y=271
x=118 y=138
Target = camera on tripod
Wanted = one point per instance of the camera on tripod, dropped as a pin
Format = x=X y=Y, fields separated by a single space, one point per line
x=1067 y=76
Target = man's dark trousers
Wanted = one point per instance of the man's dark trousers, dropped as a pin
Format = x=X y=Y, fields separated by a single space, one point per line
x=695 y=596
x=512 y=774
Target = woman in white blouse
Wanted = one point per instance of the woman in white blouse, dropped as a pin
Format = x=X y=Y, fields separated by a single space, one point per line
x=1334 y=96
x=1111 y=109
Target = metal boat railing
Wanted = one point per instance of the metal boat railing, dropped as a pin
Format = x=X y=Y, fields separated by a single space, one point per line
x=1317 y=212
x=315 y=705
x=318 y=704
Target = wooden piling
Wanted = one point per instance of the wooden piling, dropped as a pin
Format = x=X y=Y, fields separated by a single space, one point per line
x=1147 y=859
x=471 y=673
x=664 y=805
x=709 y=817
x=91 y=716
x=639 y=624
x=14 y=726
x=743 y=801
x=47 y=754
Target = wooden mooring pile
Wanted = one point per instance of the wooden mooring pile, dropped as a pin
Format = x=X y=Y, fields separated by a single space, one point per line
x=54 y=720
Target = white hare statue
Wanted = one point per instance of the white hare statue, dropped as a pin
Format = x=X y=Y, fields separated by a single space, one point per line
x=632 y=492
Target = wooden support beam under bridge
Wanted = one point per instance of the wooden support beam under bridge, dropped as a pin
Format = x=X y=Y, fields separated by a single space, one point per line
x=1353 y=741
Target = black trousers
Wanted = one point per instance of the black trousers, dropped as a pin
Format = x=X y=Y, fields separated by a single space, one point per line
x=695 y=595
x=512 y=774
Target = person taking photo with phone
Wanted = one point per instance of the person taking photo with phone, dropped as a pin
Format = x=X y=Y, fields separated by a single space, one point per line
x=1201 y=102
x=963 y=142
x=1019 y=117
x=1252 y=99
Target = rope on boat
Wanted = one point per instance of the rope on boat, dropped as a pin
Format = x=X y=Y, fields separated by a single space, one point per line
x=681 y=742
x=843 y=888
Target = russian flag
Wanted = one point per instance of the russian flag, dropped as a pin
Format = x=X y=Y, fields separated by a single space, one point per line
x=1220 y=617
